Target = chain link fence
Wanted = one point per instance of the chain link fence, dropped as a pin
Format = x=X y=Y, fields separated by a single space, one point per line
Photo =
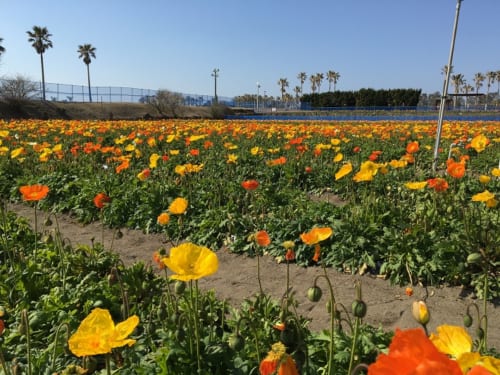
x=60 y=92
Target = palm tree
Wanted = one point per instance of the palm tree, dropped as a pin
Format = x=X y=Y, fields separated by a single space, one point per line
x=332 y=77
x=498 y=84
x=490 y=76
x=319 y=79
x=39 y=38
x=457 y=80
x=312 y=79
x=297 y=91
x=2 y=48
x=302 y=76
x=478 y=83
x=466 y=88
x=87 y=52
x=283 y=83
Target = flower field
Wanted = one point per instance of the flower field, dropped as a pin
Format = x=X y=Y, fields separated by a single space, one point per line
x=361 y=197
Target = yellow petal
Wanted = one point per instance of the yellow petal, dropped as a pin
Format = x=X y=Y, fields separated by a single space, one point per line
x=452 y=340
x=344 y=171
x=416 y=185
x=191 y=262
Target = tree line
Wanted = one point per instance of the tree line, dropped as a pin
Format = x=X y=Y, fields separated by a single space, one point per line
x=365 y=97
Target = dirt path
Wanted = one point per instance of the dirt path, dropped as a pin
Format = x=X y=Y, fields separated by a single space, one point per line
x=236 y=279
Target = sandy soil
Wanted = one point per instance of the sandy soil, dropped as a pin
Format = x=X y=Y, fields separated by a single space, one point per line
x=236 y=279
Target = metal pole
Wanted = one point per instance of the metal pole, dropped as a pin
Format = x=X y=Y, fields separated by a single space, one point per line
x=215 y=74
x=444 y=95
x=257 y=106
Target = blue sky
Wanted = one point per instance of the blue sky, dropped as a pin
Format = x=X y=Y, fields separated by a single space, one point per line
x=176 y=44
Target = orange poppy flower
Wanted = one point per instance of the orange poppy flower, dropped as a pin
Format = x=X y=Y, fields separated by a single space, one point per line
x=438 y=184
x=163 y=218
x=316 y=235
x=100 y=200
x=34 y=192
x=157 y=258
x=290 y=255
x=262 y=238
x=412 y=147
x=178 y=206
x=454 y=169
x=278 y=362
x=250 y=184
x=412 y=352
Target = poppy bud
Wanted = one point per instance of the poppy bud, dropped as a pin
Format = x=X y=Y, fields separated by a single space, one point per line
x=474 y=258
x=420 y=312
x=359 y=308
x=314 y=293
x=236 y=342
x=467 y=320
x=179 y=287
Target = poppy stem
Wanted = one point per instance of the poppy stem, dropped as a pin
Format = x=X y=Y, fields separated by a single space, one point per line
x=258 y=272
x=26 y=324
x=108 y=364
x=6 y=369
x=36 y=234
x=194 y=306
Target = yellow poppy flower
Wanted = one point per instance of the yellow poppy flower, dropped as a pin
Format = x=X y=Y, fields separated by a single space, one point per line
x=495 y=172
x=479 y=143
x=231 y=158
x=344 y=171
x=16 y=152
x=178 y=206
x=484 y=179
x=153 y=160
x=416 y=185
x=365 y=175
x=191 y=262
x=338 y=157
x=97 y=334
x=398 y=163
x=483 y=197
x=456 y=342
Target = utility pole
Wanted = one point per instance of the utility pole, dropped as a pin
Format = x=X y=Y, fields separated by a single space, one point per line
x=215 y=74
x=444 y=94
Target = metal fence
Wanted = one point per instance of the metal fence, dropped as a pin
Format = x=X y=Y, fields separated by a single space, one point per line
x=60 y=92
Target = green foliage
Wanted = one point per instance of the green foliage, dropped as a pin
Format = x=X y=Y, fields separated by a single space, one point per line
x=364 y=98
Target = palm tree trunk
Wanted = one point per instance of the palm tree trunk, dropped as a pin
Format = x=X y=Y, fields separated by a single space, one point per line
x=43 y=77
x=88 y=79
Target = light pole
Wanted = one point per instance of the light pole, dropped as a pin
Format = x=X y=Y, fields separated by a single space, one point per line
x=215 y=74
x=445 y=88
x=257 y=106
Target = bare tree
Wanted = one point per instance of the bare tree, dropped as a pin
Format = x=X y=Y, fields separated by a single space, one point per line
x=17 y=89
x=166 y=102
